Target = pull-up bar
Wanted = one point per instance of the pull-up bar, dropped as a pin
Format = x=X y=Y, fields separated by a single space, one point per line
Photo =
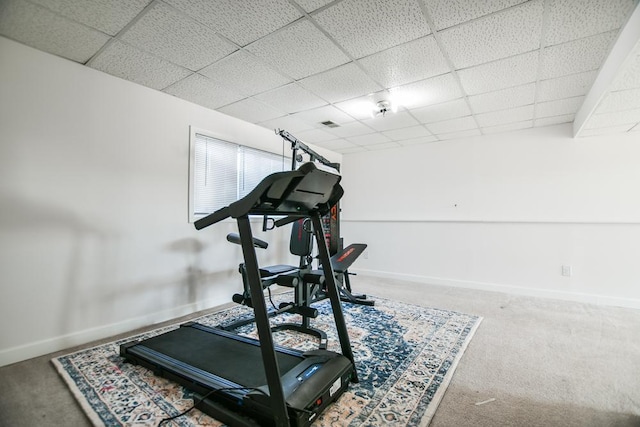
x=296 y=145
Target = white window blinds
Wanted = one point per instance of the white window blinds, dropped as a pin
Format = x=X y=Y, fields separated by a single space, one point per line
x=223 y=172
x=255 y=165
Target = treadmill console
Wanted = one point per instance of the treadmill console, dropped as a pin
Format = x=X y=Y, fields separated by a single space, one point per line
x=308 y=372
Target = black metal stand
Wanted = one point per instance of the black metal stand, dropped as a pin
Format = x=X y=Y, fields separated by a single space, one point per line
x=278 y=403
x=332 y=289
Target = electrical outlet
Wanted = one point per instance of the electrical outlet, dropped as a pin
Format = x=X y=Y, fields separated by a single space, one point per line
x=566 y=270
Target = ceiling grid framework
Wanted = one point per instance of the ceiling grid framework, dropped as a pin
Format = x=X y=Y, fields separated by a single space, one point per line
x=459 y=109
x=454 y=68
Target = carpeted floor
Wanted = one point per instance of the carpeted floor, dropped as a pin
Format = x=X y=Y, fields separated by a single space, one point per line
x=547 y=363
x=405 y=357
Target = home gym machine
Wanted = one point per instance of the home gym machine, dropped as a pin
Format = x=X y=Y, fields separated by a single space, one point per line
x=308 y=283
x=342 y=258
x=248 y=382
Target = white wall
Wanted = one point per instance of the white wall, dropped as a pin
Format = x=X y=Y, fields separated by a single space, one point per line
x=503 y=212
x=94 y=237
x=94 y=232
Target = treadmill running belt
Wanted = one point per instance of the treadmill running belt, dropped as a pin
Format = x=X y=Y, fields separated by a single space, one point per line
x=225 y=357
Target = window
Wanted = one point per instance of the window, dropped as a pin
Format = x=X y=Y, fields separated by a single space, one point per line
x=223 y=172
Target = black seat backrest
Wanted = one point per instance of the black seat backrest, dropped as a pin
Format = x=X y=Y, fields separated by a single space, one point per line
x=301 y=243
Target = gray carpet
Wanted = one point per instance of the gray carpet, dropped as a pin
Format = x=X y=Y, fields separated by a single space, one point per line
x=545 y=362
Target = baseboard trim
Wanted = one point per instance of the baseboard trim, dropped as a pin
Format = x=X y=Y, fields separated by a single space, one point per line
x=509 y=289
x=51 y=345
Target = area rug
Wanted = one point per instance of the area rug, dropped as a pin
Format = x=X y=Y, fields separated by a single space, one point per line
x=405 y=357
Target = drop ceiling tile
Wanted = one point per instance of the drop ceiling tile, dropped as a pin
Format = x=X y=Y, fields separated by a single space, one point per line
x=566 y=87
x=364 y=27
x=504 y=73
x=605 y=131
x=576 y=56
x=426 y=92
x=555 y=120
x=618 y=118
x=442 y=111
x=42 y=29
x=568 y=21
x=383 y=146
x=245 y=73
x=311 y=5
x=559 y=107
x=503 y=117
x=298 y=50
x=391 y=121
x=289 y=123
x=251 y=111
x=507 y=127
x=337 y=145
x=619 y=101
x=453 y=125
x=290 y=98
x=323 y=114
x=629 y=76
x=342 y=83
x=514 y=31
x=502 y=99
x=459 y=135
x=202 y=91
x=414 y=132
x=372 y=138
x=447 y=13
x=167 y=33
x=416 y=141
x=124 y=61
x=108 y=16
x=314 y=136
x=240 y=21
x=409 y=62
x=355 y=149
x=351 y=129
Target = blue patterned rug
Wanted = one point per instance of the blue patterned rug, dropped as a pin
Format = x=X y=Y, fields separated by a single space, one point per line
x=405 y=357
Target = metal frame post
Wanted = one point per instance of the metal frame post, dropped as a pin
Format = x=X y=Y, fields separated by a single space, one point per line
x=272 y=371
x=332 y=289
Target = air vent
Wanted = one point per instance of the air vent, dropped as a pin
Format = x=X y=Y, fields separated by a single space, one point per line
x=330 y=124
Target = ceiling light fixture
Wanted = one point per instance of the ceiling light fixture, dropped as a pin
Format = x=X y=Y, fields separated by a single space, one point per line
x=371 y=106
x=383 y=107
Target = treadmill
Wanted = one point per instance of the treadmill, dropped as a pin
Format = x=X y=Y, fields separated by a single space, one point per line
x=247 y=382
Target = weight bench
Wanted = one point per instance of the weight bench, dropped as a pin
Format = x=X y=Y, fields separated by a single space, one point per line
x=308 y=288
x=341 y=263
x=308 y=284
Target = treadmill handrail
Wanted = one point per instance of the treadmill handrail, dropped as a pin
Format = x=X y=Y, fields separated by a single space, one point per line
x=300 y=192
